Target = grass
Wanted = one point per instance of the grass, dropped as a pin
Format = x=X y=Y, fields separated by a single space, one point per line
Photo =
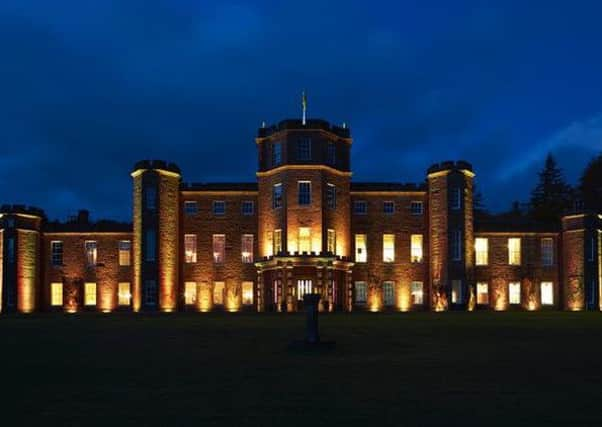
x=223 y=369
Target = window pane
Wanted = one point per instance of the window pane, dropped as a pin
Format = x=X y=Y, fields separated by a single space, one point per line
x=416 y=208
x=547 y=251
x=482 y=251
x=277 y=241
x=388 y=208
x=89 y=294
x=514 y=292
x=457 y=294
x=331 y=241
x=417 y=293
x=277 y=196
x=389 y=293
x=190 y=293
x=151 y=197
x=482 y=293
x=91 y=252
x=360 y=207
x=304 y=149
x=218 y=293
x=190 y=207
x=56 y=249
x=124 y=294
x=247 y=248
x=276 y=154
x=248 y=207
x=304 y=188
x=304 y=239
x=124 y=252
x=456 y=194
x=547 y=293
x=247 y=293
x=388 y=247
x=514 y=251
x=190 y=249
x=457 y=245
x=331 y=196
x=361 y=254
x=360 y=293
x=56 y=294
x=416 y=248
x=303 y=287
x=151 y=245
x=219 y=207
x=219 y=248
x=150 y=292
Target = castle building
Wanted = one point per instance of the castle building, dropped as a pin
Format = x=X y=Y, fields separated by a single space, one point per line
x=302 y=227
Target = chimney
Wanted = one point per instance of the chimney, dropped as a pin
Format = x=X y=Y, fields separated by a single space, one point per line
x=83 y=216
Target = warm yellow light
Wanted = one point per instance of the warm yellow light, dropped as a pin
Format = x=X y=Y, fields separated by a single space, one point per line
x=481 y=246
x=388 y=247
x=416 y=248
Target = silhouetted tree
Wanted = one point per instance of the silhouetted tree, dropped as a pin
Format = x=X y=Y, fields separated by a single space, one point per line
x=590 y=185
x=552 y=196
x=478 y=203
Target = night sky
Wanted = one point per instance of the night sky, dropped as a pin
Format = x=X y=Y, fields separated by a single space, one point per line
x=87 y=88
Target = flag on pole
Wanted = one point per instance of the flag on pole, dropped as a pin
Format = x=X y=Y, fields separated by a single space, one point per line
x=304 y=105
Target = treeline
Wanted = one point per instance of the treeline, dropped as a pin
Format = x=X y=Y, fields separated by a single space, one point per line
x=553 y=196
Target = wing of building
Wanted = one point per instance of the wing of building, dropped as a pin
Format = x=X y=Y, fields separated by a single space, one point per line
x=302 y=226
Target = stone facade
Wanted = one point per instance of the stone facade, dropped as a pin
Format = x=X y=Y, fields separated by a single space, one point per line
x=302 y=227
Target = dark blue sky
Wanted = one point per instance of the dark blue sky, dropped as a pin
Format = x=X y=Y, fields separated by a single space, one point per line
x=88 y=88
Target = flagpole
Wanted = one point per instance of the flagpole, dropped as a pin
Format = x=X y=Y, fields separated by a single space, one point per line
x=304 y=106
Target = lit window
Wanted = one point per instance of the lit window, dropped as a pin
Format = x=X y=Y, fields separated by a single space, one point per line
x=89 y=294
x=304 y=188
x=190 y=250
x=331 y=156
x=361 y=294
x=547 y=251
x=150 y=198
x=360 y=207
x=456 y=194
x=456 y=245
x=277 y=196
x=361 y=254
x=417 y=293
x=276 y=153
x=247 y=248
x=150 y=292
x=247 y=293
x=331 y=196
x=514 y=251
x=388 y=208
x=303 y=287
x=124 y=294
x=388 y=247
x=277 y=241
x=151 y=245
x=269 y=236
x=457 y=296
x=331 y=241
x=91 y=252
x=56 y=294
x=56 y=250
x=482 y=293
x=218 y=293
x=416 y=208
x=219 y=248
x=481 y=246
x=304 y=239
x=304 y=149
x=389 y=293
x=191 y=207
x=190 y=293
x=547 y=293
x=124 y=252
x=248 y=207
x=219 y=207
x=10 y=249
x=416 y=248
x=514 y=292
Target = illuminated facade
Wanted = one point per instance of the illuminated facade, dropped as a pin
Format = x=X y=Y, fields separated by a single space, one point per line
x=302 y=227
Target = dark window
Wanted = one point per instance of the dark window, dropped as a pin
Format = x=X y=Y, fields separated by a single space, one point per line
x=389 y=208
x=457 y=245
x=191 y=207
x=219 y=207
x=151 y=198
x=276 y=154
x=56 y=250
x=248 y=207
x=360 y=207
x=150 y=297
x=416 y=208
x=304 y=192
x=151 y=243
x=277 y=196
x=331 y=196
x=456 y=194
x=10 y=250
x=304 y=149
x=331 y=155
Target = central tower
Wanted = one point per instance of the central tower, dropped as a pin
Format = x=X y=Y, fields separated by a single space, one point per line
x=304 y=214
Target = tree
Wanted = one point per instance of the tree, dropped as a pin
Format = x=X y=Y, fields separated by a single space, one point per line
x=478 y=203
x=552 y=196
x=590 y=185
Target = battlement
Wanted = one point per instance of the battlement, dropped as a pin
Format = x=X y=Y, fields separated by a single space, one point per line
x=311 y=124
x=449 y=165
x=156 y=164
x=22 y=210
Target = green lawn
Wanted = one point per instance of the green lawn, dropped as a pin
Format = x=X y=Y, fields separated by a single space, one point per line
x=224 y=369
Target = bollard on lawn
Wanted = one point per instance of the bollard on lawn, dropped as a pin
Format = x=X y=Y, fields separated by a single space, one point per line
x=310 y=301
